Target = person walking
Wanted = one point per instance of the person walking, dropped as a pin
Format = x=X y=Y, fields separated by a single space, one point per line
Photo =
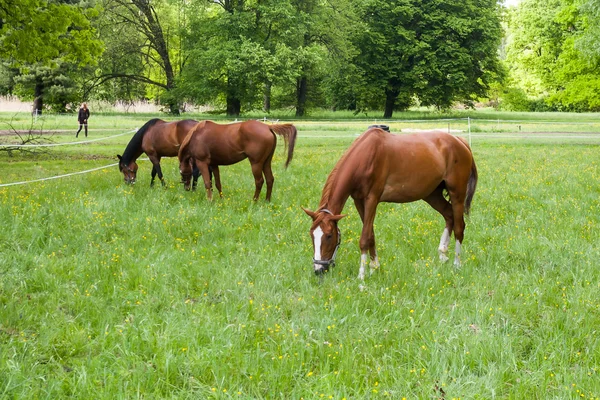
x=82 y=117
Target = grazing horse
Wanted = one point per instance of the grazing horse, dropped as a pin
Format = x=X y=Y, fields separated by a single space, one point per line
x=209 y=145
x=383 y=167
x=157 y=138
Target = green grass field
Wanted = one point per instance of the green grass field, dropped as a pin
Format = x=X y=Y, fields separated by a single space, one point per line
x=112 y=291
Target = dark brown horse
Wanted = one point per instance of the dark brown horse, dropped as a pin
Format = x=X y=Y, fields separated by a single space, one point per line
x=209 y=145
x=383 y=167
x=157 y=138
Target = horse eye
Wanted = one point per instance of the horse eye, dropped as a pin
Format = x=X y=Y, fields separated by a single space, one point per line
x=329 y=236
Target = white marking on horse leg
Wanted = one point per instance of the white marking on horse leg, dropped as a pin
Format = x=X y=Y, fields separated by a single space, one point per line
x=374 y=265
x=457 y=254
x=364 y=260
x=317 y=235
x=444 y=243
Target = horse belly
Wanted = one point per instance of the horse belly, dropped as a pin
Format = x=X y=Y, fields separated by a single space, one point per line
x=161 y=148
x=405 y=188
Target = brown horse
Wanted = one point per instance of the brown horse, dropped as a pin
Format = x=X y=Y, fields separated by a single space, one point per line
x=157 y=138
x=209 y=145
x=383 y=167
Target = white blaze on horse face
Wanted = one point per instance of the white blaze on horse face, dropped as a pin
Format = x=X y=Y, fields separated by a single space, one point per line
x=317 y=236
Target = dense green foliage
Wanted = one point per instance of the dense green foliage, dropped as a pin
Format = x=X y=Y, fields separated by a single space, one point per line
x=551 y=55
x=243 y=55
x=246 y=54
x=111 y=291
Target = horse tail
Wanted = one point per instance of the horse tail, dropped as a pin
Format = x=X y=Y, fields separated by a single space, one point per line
x=289 y=134
x=471 y=185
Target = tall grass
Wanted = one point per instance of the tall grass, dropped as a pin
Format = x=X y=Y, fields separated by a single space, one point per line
x=111 y=291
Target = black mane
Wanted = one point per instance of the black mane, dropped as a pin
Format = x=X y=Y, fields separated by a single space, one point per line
x=136 y=142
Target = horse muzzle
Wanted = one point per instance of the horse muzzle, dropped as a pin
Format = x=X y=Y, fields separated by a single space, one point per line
x=322 y=266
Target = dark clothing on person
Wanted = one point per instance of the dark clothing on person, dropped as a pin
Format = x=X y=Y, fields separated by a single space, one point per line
x=82 y=117
x=84 y=114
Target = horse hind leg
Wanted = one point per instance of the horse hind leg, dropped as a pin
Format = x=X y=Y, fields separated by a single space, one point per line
x=458 y=209
x=441 y=205
x=258 y=179
x=269 y=178
x=459 y=229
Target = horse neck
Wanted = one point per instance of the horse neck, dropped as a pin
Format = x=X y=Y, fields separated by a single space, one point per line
x=131 y=154
x=335 y=193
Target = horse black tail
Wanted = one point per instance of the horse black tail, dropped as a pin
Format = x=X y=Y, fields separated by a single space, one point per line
x=135 y=144
x=289 y=134
x=471 y=186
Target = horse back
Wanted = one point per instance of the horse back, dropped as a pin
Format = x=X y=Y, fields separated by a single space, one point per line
x=164 y=139
x=405 y=168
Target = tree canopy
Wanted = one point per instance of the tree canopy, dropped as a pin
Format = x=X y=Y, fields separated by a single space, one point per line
x=239 y=55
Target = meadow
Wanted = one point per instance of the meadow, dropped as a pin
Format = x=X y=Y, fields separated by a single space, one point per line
x=116 y=291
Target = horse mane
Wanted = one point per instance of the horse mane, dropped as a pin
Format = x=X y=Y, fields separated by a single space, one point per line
x=332 y=178
x=135 y=144
x=188 y=138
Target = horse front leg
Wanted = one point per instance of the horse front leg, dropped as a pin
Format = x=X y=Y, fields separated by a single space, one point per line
x=153 y=173
x=156 y=170
x=217 y=174
x=374 y=261
x=205 y=172
x=367 y=238
x=195 y=175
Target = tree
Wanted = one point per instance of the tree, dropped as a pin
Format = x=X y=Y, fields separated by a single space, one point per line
x=546 y=56
x=233 y=55
x=589 y=42
x=436 y=51
x=51 y=87
x=40 y=31
x=40 y=34
x=139 y=50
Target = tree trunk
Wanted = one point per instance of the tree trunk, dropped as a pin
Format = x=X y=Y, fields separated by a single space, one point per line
x=267 y=98
x=390 y=102
x=233 y=107
x=157 y=39
x=38 y=101
x=301 y=94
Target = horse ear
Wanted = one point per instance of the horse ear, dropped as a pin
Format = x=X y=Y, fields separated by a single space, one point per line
x=119 y=157
x=309 y=213
x=338 y=217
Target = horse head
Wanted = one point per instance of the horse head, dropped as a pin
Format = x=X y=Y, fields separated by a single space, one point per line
x=186 y=171
x=326 y=238
x=129 y=171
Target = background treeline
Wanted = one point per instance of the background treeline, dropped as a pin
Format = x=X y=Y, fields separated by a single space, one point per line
x=242 y=55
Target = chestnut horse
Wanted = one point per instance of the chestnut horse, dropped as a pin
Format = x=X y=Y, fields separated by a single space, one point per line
x=383 y=167
x=209 y=145
x=157 y=138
